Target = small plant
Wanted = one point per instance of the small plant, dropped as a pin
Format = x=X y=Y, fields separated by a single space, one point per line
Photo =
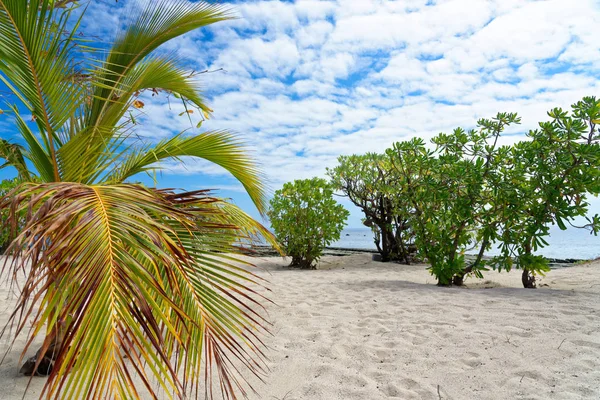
x=306 y=219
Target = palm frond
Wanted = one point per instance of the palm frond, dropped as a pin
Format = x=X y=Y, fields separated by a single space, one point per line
x=140 y=285
x=158 y=23
x=219 y=147
x=13 y=154
x=35 y=62
x=156 y=73
x=36 y=153
x=129 y=68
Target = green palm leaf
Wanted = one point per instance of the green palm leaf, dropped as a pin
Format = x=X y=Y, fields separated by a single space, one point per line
x=35 y=63
x=220 y=147
x=92 y=144
x=126 y=62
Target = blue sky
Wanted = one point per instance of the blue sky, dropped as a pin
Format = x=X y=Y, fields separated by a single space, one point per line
x=306 y=81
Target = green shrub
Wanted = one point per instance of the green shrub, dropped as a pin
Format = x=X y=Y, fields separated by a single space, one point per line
x=468 y=192
x=449 y=187
x=5 y=187
x=547 y=182
x=306 y=219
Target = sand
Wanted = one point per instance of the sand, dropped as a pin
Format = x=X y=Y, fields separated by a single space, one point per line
x=355 y=329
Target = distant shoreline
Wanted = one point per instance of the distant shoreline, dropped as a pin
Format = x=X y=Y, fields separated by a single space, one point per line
x=268 y=251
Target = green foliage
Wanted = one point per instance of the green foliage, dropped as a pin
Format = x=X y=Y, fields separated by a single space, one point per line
x=13 y=155
x=448 y=190
x=306 y=219
x=131 y=284
x=6 y=186
x=466 y=192
x=371 y=183
x=546 y=182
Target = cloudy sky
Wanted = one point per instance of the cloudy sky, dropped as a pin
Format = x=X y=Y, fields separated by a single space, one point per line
x=305 y=81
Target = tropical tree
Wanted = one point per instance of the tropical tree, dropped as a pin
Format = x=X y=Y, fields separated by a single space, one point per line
x=129 y=280
x=449 y=188
x=306 y=219
x=546 y=182
x=372 y=184
x=476 y=213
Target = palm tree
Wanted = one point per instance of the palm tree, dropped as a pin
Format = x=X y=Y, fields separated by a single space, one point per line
x=122 y=280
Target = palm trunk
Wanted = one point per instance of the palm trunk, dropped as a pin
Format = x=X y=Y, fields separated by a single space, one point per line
x=42 y=362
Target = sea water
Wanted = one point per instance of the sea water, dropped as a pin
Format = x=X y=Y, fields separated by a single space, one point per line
x=571 y=243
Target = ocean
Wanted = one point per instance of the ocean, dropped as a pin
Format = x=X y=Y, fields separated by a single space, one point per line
x=572 y=243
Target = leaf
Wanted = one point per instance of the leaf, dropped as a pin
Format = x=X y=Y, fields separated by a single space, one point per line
x=220 y=147
x=138 y=104
x=139 y=283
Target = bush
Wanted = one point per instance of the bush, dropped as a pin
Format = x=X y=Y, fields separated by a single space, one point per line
x=449 y=187
x=5 y=187
x=547 y=182
x=306 y=219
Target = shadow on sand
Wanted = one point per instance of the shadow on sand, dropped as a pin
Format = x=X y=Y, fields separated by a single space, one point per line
x=496 y=291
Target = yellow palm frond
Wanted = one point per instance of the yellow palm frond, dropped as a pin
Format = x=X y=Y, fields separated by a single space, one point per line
x=143 y=281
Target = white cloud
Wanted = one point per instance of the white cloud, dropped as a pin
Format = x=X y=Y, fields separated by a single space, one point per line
x=310 y=80
x=314 y=34
x=255 y=56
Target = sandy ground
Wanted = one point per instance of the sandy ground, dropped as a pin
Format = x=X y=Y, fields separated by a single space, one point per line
x=355 y=329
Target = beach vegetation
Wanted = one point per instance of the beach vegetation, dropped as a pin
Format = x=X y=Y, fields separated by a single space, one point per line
x=371 y=183
x=306 y=219
x=464 y=192
x=547 y=181
x=6 y=186
x=448 y=187
x=129 y=288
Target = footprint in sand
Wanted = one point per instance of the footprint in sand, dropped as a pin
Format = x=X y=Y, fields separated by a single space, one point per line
x=390 y=390
x=472 y=362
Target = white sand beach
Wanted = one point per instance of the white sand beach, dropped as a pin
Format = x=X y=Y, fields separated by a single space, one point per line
x=355 y=329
